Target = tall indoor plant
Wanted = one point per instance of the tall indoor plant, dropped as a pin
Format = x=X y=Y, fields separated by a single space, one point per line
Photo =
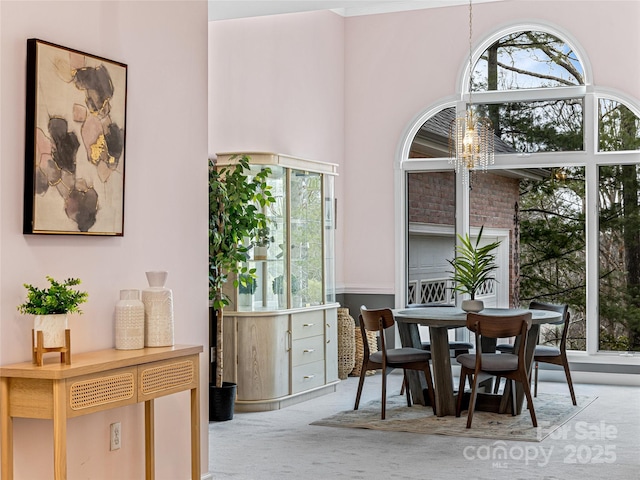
x=237 y=198
x=472 y=267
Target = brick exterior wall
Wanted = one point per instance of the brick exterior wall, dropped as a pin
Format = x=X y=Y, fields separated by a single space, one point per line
x=492 y=198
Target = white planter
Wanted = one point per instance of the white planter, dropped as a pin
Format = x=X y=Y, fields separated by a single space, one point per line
x=474 y=306
x=245 y=299
x=52 y=327
x=259 y=253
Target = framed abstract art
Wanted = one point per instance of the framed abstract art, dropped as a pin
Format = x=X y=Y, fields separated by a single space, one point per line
x=75 y=142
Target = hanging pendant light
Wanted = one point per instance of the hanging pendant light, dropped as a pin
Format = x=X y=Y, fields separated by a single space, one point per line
x=471 y=137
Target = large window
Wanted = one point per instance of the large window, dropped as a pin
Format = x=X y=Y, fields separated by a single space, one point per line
x=563 y=151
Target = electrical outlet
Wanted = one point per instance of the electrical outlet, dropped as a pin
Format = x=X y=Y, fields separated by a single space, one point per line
x=115 y=436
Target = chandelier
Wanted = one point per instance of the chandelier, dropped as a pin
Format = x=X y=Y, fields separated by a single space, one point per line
x=471 y=137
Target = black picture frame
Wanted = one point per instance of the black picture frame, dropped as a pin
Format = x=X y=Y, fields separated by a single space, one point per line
x=74 y=142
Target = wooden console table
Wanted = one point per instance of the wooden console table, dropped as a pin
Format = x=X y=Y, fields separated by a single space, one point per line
x=98 y=381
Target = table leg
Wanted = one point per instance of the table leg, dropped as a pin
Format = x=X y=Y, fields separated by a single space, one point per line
x=443 y=381
x=195 y=433
x=149 y=442
x=59 y=430
x=6 y=424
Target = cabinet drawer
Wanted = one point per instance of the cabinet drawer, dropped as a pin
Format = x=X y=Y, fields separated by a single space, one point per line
x=307 y=350
x=307 y=324
x=305 y=377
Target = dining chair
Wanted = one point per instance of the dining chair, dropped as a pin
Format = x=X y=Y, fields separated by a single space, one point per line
x=511 y=366
x=407 y=358
x=548 y=353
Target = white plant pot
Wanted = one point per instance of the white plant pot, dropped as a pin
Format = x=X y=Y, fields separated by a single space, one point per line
x=52 y=327
x=245 y=299
x=259 y=253
x=474 y=306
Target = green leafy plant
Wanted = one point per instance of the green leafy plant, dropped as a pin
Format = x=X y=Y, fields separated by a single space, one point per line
x=59 y=298
x=264 y=237
x=473 y=264
x=237 y=198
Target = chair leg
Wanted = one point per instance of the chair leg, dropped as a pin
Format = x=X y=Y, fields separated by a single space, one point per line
x=514 y=405
x=472 y=400
x=496 y=385
x=535 y=381
x=384 y=393
x=463 y=377
x=405 y=381
x=567 y=373
x=527 y=392
x=430 y=389
x=363 y=373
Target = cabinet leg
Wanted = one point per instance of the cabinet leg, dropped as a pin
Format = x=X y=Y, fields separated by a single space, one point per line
x=59 y=430
x=195 y=433
x=6 y=425
x=149 y=443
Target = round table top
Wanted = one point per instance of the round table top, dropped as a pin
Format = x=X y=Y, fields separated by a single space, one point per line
x=453 y=317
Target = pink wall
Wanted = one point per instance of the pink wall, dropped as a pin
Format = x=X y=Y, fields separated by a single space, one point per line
x=276 y=84
x=398 y=65
x=164 y=44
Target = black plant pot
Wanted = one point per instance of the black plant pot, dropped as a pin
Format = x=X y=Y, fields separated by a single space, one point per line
x=222 y=401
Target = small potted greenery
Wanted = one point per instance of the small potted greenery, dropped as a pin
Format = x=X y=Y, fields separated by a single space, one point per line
x=472 y=267
x=50 y=307
x=246 y=289
x=262 y=242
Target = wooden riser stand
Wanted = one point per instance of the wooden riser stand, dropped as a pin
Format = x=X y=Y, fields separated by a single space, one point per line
x=39 y=349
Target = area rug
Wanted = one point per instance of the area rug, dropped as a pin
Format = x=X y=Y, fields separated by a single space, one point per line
x=552 y=411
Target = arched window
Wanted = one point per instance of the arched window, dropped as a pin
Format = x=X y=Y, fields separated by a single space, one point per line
x=565 y=187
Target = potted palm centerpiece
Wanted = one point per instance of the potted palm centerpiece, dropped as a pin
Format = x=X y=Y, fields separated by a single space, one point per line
x=237 y=198
x=472 y=267
x=50 y=307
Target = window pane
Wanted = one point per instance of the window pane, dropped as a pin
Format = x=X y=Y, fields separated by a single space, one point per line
x=552 y=247
x=306 y=238
x=531 y=127
x=618 y=127
x=432 y=140
x=431 y=206
x=619 y=301
x=527 y=60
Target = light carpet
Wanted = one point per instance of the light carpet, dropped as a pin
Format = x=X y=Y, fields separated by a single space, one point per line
x=552 y=411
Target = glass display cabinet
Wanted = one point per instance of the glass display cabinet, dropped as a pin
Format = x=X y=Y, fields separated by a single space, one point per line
x=280 y=338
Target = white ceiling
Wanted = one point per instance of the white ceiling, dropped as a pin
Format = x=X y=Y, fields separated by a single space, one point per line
x=227 y=9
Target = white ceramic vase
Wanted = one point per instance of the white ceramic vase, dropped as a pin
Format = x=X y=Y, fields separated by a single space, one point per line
x=52 y=327
x=259 y=252
x=129 y=321
x=158 y=311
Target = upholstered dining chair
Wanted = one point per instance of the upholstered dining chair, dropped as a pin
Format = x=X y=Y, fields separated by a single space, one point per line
x=406 y=358
x=511 y=366
x=546 y=353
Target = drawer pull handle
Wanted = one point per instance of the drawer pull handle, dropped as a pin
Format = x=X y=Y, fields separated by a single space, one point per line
x=307 y=324
x=308 y=350
x=308 y=377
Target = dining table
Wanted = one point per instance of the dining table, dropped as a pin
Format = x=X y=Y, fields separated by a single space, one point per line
x=440 y=319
